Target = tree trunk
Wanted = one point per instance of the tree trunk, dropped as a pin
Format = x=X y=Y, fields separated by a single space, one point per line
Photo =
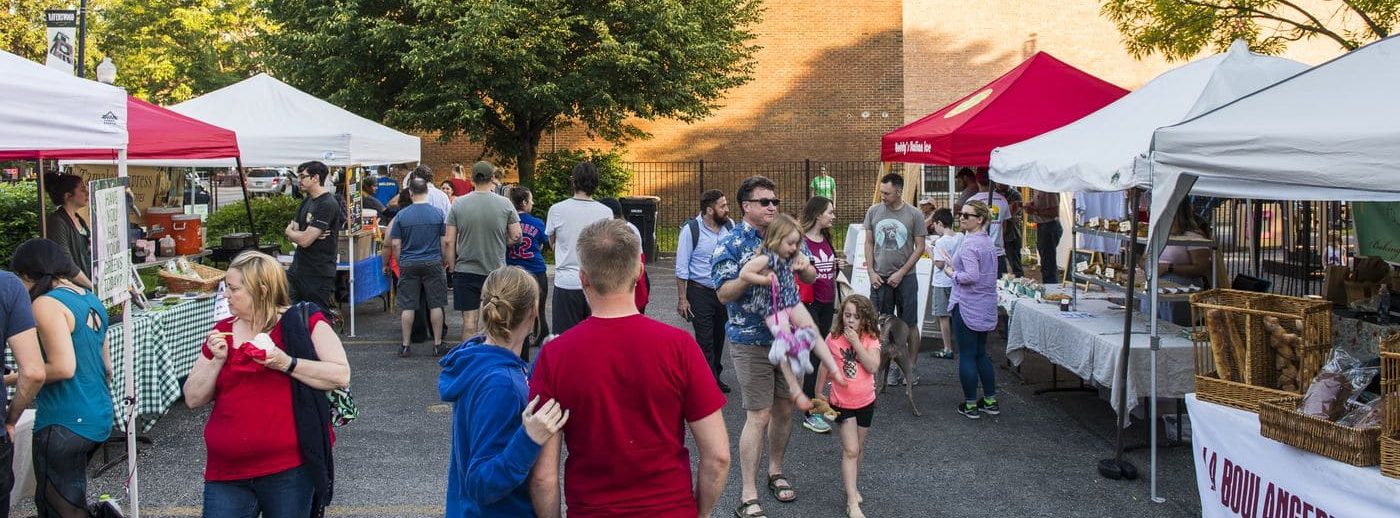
x=525 y=160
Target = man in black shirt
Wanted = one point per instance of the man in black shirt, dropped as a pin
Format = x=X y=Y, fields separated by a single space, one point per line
x=312 y=275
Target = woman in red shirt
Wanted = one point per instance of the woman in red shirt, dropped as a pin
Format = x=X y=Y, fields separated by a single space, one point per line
x=259 y=459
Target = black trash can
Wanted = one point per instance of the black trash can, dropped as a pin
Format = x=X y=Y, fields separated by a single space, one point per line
x=641 y=211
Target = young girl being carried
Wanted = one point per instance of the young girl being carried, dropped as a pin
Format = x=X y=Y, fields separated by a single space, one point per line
x=794 y=331
x=856 y=340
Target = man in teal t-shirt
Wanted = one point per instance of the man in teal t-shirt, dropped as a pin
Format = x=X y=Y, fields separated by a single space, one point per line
x=824 y=185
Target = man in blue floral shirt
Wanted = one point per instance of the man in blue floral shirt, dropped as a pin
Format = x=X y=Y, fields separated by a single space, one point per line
x=765 y=395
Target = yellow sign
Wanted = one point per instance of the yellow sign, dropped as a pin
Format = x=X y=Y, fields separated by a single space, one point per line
x=976 y=99
x=151 y=186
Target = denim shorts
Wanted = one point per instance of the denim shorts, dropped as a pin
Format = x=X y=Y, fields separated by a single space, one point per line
x=287 y=494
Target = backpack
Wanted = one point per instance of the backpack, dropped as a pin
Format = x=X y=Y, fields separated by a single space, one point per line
x=694 y=227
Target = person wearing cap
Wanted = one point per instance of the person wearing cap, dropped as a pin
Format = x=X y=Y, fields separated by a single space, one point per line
x=480 y=226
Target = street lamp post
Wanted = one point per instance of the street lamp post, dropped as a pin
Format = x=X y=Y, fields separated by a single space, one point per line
x=82 y=33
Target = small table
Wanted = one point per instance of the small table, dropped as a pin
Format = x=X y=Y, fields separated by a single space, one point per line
x=1089 y=343
x=167 y=341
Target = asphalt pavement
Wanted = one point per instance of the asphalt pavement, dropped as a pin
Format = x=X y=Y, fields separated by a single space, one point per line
x=1038 y=458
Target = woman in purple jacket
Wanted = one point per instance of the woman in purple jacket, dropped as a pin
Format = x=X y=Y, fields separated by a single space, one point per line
x=973 y=305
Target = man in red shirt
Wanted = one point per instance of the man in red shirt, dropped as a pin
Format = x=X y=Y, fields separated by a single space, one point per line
x=631 y=384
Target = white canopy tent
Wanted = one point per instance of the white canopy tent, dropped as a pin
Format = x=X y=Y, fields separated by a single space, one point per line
x=1097 y=153
x=1330 y=133
x=44 y=109
x=45 y=113
x=280 y=126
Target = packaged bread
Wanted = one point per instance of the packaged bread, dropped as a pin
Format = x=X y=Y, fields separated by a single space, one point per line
x=1335 y=386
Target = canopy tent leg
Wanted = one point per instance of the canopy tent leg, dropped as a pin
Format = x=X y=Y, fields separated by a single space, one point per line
x=1117 y=468
x=247 y=204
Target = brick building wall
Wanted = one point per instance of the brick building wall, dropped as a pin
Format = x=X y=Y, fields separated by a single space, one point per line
x=829 y=81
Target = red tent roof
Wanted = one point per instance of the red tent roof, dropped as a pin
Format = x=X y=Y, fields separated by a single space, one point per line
x=1040 y=95
x=155 y=133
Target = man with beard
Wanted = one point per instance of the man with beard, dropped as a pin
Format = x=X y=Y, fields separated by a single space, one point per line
x=697 y=302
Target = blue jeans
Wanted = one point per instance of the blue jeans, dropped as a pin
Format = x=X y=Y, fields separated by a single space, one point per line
x=286 y=494
x=901 y=301
x=973 y=363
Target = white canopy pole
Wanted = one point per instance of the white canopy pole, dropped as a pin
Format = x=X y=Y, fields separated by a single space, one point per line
x=128 y=361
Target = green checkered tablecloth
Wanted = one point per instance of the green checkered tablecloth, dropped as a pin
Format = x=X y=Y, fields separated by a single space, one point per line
x=168 y=340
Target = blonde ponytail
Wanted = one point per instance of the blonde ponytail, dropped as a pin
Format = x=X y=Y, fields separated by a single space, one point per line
x=507 y=297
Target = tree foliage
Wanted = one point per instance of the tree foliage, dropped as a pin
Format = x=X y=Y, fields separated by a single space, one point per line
x=1179 y=29
x=167 y=51
x=502 y=72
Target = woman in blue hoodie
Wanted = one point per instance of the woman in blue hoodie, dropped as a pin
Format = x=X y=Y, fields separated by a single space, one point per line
x=496 y=435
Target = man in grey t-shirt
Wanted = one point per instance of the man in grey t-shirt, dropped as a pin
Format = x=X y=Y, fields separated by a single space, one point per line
x=479 y=228
x=894 y=241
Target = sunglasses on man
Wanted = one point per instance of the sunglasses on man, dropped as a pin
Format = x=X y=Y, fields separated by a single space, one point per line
x=767 y=202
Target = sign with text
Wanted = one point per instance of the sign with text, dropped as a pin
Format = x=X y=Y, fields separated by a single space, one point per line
x=1377 y=229
x=150 y=186
x=111 y=255
x=1242 y=474
x=61 y=50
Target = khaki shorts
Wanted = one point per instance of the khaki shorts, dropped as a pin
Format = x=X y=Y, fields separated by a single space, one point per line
x=760 y=382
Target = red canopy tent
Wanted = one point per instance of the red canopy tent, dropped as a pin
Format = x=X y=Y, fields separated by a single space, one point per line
x=1041 y=94
x=155 y=133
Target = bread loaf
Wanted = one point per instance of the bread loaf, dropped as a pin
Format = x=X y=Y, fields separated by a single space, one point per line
x=1285 y=347
x=1221 y=332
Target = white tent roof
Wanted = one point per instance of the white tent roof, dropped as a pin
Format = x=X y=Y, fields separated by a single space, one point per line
x=280 y=126
x=1330 y=133
x=1096 y=152
x=42 y=109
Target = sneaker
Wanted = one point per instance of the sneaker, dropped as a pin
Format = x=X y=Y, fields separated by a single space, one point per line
x=816 y=424
x=895 y=378
x=968 y=411
x=988 y=408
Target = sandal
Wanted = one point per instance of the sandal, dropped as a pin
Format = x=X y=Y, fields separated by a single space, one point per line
x=404 y=351
x=945 y=354
x=775 y=488
x=746 y=510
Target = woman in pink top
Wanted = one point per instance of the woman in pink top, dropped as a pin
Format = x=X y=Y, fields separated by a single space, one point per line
x=855 y=343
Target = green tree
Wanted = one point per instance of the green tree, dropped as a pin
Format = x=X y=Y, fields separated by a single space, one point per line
x=502 y=72
x=1179 y=29
x=167 y=51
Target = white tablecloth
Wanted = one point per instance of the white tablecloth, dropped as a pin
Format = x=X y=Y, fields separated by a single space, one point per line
x=1241 y=473
x=23 y=463
x=1090 y=347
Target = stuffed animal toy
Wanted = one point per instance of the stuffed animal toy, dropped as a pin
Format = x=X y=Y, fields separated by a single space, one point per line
x=822 y=408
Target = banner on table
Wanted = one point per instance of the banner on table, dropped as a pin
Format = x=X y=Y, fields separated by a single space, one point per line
x=111 y=255
x=62 y=46
x=1377 y=229
x=1242 y=474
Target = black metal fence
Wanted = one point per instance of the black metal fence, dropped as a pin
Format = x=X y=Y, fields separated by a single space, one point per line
x=1288 y=243
x=679 y=185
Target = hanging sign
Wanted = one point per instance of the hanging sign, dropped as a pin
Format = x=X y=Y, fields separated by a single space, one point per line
x=62 y=46
x=111 y=255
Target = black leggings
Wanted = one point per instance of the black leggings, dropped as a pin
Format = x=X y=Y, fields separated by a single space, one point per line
x=60 y=472
x=541 y=330
x=822 y=313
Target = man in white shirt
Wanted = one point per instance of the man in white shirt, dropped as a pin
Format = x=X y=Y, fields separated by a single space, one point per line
x=436 y=197
x=566 y=219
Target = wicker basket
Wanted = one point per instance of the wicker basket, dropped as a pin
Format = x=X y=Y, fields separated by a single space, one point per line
x=1280 y=420
x=1311 y=320
x=209 y=279
x=1234 y=394
x=1390 y=412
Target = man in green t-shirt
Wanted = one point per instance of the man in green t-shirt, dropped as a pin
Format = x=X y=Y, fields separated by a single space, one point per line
x=824 y=185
